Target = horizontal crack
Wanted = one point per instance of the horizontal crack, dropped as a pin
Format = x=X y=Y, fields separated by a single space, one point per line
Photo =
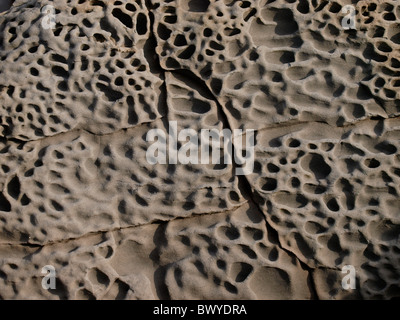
x=78 y=130
x=244 y=184
x=249 y=193
x=116 y=229
x=294 y=122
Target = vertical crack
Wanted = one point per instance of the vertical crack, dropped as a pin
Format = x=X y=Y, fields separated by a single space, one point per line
x=249 y=194
x=153 y=59
x=244 y=184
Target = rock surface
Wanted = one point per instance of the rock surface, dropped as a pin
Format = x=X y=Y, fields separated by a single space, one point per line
x=77 y=191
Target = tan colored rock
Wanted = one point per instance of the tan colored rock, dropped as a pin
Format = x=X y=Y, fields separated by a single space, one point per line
x=77 y=191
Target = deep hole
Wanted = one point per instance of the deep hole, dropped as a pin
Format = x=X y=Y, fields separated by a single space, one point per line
x=10 y=90
x=231 y=32
x=232 y=233
x=25 y=200
x=97 y=3
x=245 y=271
x=216 y=85
x=187 y=53
x=56 y=205
x=272 y=168
x=180 y=40
x=250 y=14
x=59 y=71
x=33 y=49
x=163 y=32
x=63 y=86
x=172 y=63
x=4 y=204
x=303 y=6
x=130 y=7
x=104 y=78
x=216 y=46
x=123 y=17
x=87 y=23
x=209 y=53
x=198 y=5
x=14 y=188
x=41 y=87
x=207 y=32
x=141 y=24
x=389 y=17
x=34 y=72
x=29 y=173
x=384 y=47
x=285 y=22
x=171 y=19
x=287 y=57
x=319 y=167
x=333 y=205
x=294 y=143
x=379 y=82
x=96 y=66
x=99 y=37
x=119 y=81
x=386 y=148
x=295 y=182
x=58 y=58
x=270 y=184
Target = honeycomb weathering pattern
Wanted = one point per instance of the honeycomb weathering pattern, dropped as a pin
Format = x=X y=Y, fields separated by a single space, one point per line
x=77 y=192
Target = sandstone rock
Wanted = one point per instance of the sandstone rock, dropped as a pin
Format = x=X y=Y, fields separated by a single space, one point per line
x=77 y=192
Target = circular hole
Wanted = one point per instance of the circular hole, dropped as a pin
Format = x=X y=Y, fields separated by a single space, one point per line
x=295 y=182
x=207 y=32
x=293 y=143
x=272 y=168
x=333 y=205
x=119 y=81
x=209 y=52
x=379 y=82
x=270 y=184
x=372 y=163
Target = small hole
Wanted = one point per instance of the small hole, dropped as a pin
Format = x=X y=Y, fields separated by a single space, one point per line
x=119 y=81
x=207 y=32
